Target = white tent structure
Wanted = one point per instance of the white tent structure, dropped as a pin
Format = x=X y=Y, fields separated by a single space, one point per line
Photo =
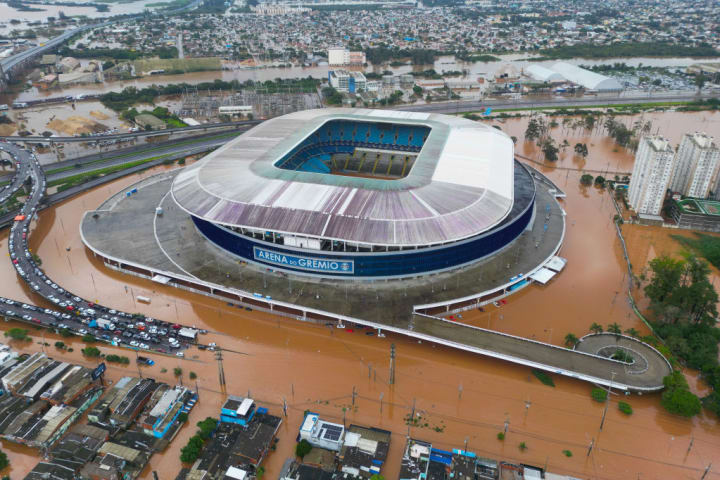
x=586 y=78
x=543 y=74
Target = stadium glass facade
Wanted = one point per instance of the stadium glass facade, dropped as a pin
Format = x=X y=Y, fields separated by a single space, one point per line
x=385 y=264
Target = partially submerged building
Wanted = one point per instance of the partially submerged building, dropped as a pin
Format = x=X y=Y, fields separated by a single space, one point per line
x=320 y=433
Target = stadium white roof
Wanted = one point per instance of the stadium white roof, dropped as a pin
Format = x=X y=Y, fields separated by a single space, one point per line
x=538 y=72
x=586 y=78
x=460 y=185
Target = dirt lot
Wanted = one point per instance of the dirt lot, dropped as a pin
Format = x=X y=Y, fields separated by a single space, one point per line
x=76 y=125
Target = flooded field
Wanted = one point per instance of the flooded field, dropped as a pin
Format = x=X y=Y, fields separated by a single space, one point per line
x=461 y=397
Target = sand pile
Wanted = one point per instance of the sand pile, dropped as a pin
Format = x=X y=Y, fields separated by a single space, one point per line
x=76 y=125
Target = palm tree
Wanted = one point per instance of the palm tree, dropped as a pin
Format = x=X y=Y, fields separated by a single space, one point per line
x=596 y=328
x=614 y=328
x=571 y=340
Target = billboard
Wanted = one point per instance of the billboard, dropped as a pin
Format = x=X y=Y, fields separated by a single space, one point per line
x=319 y=265
x=99 y=370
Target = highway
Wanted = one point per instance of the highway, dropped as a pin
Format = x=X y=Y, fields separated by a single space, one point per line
x=72 y=312
x=68 y=168
x=146 y=134
x=479 y=105
x=9 y=63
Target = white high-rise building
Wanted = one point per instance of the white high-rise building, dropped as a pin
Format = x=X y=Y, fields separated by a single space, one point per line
x=696 y=166
x=651 y=175
x=338 y=56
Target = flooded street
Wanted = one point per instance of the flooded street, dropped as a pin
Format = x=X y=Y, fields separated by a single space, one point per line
x=462 y=397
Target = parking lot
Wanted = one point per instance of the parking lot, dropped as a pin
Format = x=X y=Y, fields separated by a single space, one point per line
x=73 y=313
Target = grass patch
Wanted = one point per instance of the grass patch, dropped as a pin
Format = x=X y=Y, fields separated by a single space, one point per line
x=68 y=182
x=132 y=154
x=543 y=377
x=705 y=245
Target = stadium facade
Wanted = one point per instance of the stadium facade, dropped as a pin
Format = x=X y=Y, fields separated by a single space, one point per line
x=367 y=194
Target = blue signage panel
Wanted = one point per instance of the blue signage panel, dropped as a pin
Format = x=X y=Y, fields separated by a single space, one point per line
x=99 y=370
x=319 y=265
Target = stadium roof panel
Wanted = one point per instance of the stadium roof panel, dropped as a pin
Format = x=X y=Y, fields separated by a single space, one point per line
x=460 y=185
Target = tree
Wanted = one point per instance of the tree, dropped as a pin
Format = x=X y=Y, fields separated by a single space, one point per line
x=586 y=179
x=302 y=448
x=614 y=328
x=625 y=408
x=581 y=149
x=632 y=332
x=4 y=462
x=600 y=181
x=66 y=332
x=677 y=397
x=596 y=328
x=417 y=90
x=182 y=417
x=92 y=352
x=190 y=452
x=206 y=427
x=177 y=371
x=680 y=290
x=260 y=472
x=533 y=130
x=571 y=340
x=522 y=446
x=17 y=334
x=599 y=394
x=700 y=81
x=193 y=375
x=89 y=338
x=550 y=150
x=60 y=345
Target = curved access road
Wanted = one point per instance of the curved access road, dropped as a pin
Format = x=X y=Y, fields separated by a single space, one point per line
x=71 y=311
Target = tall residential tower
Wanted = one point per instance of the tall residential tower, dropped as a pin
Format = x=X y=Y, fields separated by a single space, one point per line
x=651 y=175
x=696 y=166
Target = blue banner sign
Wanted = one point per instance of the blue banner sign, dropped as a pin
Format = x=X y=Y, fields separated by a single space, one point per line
x=99 y=370
x=320 y=265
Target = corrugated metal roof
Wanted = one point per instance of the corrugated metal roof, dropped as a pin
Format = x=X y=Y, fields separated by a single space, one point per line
x=460 y=185
x=586 y=78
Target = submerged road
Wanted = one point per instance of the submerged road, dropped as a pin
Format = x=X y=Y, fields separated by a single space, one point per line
x=71 y=311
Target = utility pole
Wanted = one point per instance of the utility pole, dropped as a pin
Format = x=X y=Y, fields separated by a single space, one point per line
x=592 y=443
x=353 y=396
x=607 y=401
x=692 y=440
x=392 y=364
x=381 y=401
x=221 y=371
x=707 y=470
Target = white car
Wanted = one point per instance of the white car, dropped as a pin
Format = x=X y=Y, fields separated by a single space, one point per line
x=134 y=343
x=180 y=354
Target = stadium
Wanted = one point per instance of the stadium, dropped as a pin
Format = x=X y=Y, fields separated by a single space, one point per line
x=360 y=194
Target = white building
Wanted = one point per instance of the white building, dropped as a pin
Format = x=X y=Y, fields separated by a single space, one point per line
x=344 y=81
x=586 y=78
x=542 y=74
x=321 y=433
x=339 y=56
x=651 y=175
x=696 y=166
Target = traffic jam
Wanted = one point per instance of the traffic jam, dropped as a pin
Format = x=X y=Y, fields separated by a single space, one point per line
x=73 y=313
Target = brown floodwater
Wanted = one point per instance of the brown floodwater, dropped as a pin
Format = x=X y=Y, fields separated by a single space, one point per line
x=460 y=396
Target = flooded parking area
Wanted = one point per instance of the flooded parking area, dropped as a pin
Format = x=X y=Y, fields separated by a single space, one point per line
x=459 y=395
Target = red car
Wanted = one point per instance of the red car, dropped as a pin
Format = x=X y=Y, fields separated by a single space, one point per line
x=177 y=326
x=349 y=330
x=70 y=307
x=15 y=261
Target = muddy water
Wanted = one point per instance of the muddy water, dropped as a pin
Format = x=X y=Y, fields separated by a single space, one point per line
x=442 y=64
x=460 y=396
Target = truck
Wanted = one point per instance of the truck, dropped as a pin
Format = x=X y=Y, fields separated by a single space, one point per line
x=188 y=333
x=105 y=324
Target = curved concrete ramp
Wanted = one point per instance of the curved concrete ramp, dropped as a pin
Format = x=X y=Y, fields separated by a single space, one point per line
x=583 y=363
